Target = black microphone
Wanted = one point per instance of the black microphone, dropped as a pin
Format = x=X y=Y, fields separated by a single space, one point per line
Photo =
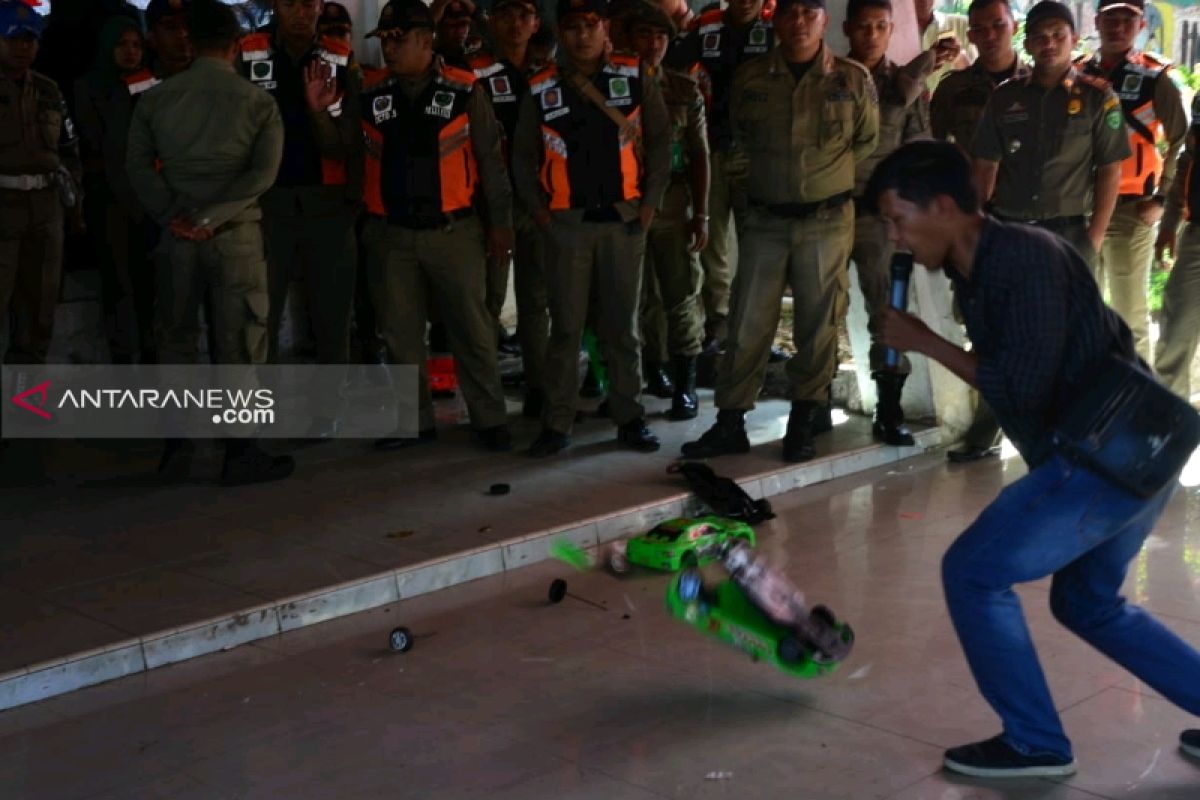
x=902 y=267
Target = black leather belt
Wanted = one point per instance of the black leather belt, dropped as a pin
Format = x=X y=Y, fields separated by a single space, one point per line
x=1050 y=223
x=803 y=210
x=430 y=223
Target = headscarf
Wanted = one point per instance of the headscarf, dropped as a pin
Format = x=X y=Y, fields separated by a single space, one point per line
x=104 y=71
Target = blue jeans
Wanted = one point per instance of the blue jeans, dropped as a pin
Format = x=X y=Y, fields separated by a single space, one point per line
x=1063 y=520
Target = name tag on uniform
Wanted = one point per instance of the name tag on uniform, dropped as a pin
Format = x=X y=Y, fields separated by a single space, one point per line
x=619 y=101
x=556 y=113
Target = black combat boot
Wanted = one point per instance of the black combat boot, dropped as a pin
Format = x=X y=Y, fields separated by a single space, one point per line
x=636 y=436
x=725 y=437
x=823 y=416
x=798 y=441
x=889 y=416
x=658 y=382
x=684 y=404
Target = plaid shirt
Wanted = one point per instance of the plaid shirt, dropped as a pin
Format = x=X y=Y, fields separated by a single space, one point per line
x=1035 y=317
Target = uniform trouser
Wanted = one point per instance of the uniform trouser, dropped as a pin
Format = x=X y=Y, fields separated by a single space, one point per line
x=872 y=257
x=1181 y=315
x=497 y=286
x=726 y=203
x=1064 y=521
x=809 y=255
x=310 y=235
x=671 y=283
x=370 y=345
x=31 y=249
x=122 y=247
x=529 y=285
x=408 y=269
x=231 y=272
x=1124 y=265
x=582 y=258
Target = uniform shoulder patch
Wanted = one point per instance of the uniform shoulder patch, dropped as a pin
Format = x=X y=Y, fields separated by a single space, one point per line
x=623 y=59
x=543 y=79
x=710 y=15
x=374 y=77
x=1156 y=59
x=1094 y=81
x=457 y=75
x=255 y=46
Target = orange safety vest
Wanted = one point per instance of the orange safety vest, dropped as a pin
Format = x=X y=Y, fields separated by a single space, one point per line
x=587 y=161
x=419 y=155
x=1134 y=81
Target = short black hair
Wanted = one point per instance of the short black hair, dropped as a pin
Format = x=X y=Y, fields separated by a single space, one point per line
x=920 y=171
x=980 y=5
x=856 y=7
x=212 y=25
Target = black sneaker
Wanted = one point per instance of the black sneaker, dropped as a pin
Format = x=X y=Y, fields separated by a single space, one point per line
x=548 y=443
x=969 y=453
x=1189 y=742
x=995 y=758
x=636 y=436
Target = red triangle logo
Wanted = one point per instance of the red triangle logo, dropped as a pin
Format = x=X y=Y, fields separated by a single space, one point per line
x=38 y=393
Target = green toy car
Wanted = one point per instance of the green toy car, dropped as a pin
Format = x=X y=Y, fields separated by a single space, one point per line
x=679 y=543
x=759 y=612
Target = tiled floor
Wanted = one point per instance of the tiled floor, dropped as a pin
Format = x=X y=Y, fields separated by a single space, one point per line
x=505 y=696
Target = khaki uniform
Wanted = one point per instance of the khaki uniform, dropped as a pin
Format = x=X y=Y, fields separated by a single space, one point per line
x=802 y=140
x=207 y=144
x=903 y=117
x=310 y=211
x=1180 y=323
x=1049 y=144
x=595 y=242
x=37 y=137
x=1128 y=250
x=417 y=253
x=672 y=277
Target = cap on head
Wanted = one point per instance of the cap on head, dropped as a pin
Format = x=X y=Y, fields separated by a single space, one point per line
x=399 y=17
x=651 y=15
x=18 y=19
x=1045 y=11
x=567 y=7
x=456 y=9
x=335 y=15
x=160 y=9
x=1136 y=6
x=528 y=5
x=783 y=4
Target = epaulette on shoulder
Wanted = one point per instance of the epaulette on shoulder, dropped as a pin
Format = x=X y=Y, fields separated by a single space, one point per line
x=374 y=77
x=623 y=58
x=334 y=50
x=1095 y=81
x=710 y=15
x=464 y=78
x=255 y=46
x=480 y=59
x=1157 y=59
x=543 y=77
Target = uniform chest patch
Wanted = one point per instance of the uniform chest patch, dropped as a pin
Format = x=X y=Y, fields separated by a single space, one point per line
x=501 y=89
x=262 y=70
x=1132 y=84
x=758 y=36
x=551 y=99
x=618 y=88
x=382 y=108
x=711 y=43
x=440 y=105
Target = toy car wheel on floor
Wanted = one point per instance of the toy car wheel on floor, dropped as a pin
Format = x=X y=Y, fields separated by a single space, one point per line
x=618 y=563
x=401 y=640
x=791 y=650
x=690 y=585
x=823 y=615
x=558 y=590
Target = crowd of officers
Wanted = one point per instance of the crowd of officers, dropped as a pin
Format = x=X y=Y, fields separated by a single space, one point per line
x=609 y=177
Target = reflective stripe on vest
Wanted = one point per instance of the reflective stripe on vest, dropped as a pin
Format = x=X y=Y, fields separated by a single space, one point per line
x=1134 y=81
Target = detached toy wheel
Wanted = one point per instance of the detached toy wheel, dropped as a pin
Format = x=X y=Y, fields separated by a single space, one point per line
x=401 y=640
x=558 y=590
x=791 y=650
x=690 y=585
x=823 y=616
x=618 y=562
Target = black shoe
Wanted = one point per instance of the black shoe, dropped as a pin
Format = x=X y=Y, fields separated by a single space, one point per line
x=798 y=441
x=888 y=426
x=822 y=421
x=995 y=758
x=776 y=355
x=176 y=461
x=636 y=436
x=245 y=463
x=1189 y=742
x=548 y=443
x=658 y=382
x=535 y=402
x=726 y=437
x=322 y=429
x=969 y=453
x=684 y=403
x=497 y=438
x=401 y=442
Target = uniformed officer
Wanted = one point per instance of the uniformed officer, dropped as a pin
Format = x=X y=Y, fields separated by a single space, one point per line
x=592 y=160
x=1156 y=124
x=504 y=72
x=309 y=214
x=167 y=35
x=954 y=115
x=1049 y=147
x=39 y=173
x=805 y=117
x=203 y=147
x=903 y=117
x=432 y=142
x=717 y=42
x=1179 y=329
x=680 y=228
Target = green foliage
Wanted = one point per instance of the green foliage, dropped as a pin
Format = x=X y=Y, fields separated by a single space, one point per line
x=1158 y=282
